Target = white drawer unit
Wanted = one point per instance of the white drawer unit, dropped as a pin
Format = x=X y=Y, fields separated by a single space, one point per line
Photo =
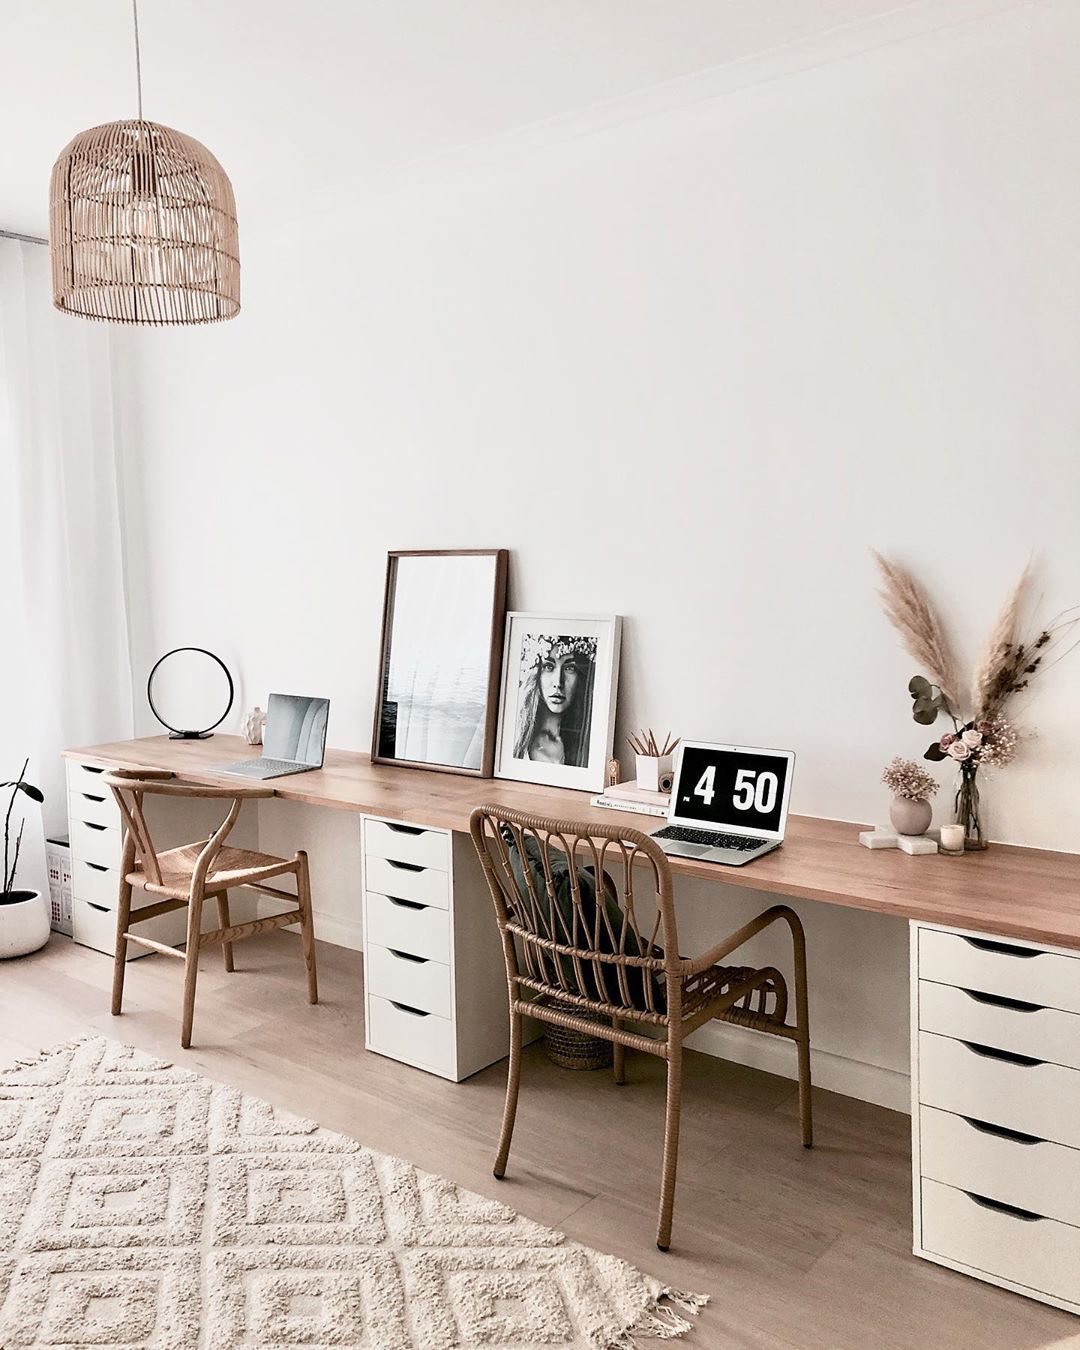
x=97 y=840
x=996 y=1110
x=434 y=976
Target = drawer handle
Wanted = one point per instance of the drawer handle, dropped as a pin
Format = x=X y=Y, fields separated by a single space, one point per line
x=1002 y=948
x=407 y=956
x=984 y=1127
x=89 y=796
x=997 y=1001
x=406 y=904
x=1009 y=1056
x=101 y=909
x=404 y=1007
x=91 y=768
x=91 y=826
x=1013 y=1210
x=98 y=867
x=404 y=829
x=405 y=867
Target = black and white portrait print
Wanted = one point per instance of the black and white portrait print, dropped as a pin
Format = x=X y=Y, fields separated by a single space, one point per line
x=556 y=675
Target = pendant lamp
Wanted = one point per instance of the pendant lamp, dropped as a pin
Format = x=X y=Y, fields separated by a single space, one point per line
x=143 y=225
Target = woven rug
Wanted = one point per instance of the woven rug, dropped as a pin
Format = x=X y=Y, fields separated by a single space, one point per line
x=142 y=1205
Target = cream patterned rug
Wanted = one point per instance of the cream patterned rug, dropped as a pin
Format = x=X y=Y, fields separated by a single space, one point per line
x=142 y=1205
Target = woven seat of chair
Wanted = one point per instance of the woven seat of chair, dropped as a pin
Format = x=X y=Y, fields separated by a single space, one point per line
x=232 y=867
x=762 y=1007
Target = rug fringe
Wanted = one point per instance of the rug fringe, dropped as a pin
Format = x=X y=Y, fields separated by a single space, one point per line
x=660 y=1321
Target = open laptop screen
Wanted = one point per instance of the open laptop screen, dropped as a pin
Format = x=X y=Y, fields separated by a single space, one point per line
x=732 y=787
x=296 y=728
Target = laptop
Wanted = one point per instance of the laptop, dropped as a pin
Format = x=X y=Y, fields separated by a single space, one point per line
x=729 y=803
x=294 y=738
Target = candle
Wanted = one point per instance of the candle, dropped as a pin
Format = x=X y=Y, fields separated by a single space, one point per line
x=952 y=838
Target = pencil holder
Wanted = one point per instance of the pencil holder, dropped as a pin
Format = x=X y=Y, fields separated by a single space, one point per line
x=649 y=770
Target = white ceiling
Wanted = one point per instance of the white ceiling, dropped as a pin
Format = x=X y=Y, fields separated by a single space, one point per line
x=293 y=96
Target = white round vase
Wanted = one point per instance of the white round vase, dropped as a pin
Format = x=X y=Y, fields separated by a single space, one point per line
x=910 y=817
x=24 y=923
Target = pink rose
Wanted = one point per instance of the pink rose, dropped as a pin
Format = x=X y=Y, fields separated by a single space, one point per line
x=947 y=740
x=959 y=750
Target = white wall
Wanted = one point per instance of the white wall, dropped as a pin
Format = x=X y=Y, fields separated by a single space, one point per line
x=687 y=369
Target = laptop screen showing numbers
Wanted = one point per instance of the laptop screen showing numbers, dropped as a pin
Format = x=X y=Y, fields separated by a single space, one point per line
x=730 y=787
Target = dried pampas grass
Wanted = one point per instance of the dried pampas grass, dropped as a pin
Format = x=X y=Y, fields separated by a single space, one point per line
x=914 y=618
x=990 y=671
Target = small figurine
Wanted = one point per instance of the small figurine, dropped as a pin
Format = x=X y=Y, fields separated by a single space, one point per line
x=251 y=728
x=612 y=773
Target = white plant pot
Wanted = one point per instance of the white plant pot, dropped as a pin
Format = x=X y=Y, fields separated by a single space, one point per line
x=24 y=924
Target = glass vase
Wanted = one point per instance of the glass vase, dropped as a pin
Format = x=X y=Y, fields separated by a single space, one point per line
x=969 y=810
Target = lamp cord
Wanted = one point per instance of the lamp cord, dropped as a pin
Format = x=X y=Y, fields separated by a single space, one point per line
x=138 y=57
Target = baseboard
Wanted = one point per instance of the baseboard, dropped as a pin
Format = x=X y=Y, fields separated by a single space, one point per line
x=328 y=927
x=850 y=1077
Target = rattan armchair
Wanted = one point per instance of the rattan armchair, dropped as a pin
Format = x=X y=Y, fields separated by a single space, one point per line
x=187 y=877
x=590 y=941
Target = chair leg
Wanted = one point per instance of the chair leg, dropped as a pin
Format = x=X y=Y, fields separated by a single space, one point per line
x=513 y=1083
x=191 y=967
x=123 y=922
x=802 y=1040
x=672 y=1119
x=225 y=922
x=619 y=1060
x=307 y=927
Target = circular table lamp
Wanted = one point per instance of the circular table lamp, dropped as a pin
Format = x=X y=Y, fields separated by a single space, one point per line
x=194 y=688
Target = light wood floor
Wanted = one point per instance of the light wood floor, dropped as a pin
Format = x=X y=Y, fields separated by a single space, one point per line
x=797 y=1249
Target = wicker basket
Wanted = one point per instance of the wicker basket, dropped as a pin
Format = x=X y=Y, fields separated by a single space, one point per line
x=575 y=1049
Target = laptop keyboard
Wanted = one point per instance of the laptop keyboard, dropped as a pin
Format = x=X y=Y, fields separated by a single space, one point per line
x=681 y=834
x=259 y=768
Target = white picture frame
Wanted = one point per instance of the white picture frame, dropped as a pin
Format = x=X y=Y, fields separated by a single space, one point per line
x=557 y=706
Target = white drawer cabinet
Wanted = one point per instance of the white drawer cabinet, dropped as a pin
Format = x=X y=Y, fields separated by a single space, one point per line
x=996 y=1110
x=434 y=976
x=96 y=833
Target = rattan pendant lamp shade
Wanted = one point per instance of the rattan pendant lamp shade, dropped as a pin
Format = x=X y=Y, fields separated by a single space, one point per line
x=142 y=226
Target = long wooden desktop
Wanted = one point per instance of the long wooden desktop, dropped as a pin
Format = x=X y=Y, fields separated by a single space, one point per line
x=1010 y=892
x=995 y=977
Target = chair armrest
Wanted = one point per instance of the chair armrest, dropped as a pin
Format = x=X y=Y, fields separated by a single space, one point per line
x=695 y=965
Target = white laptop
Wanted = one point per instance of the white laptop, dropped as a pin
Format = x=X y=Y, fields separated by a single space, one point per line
x=729 y=803
x=294 y=739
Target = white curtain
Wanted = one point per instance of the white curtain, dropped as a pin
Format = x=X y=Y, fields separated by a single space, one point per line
x=65 y=669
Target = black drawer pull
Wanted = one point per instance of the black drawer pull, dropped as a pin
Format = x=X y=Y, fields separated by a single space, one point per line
x=407 y=956
x=1027 y=1215
x=1002 y=948
x=98 y=867
x=101 y=909
x=92 y=768
x=89 y=796
x=1009 y=1056
x=998 y=1001
x=406 y=904
x=404 y=829
x=404 y=1007
x=984 y=1127
x=91 y=826
x=405 y=867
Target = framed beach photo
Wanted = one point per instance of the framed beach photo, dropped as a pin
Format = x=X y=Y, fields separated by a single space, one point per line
x=557 y=713
x=438 y=689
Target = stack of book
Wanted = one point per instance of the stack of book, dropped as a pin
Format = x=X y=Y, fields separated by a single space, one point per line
x=629 y=797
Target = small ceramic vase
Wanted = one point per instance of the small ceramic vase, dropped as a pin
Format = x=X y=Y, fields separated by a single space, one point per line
x=909 y=816
x=251 y=728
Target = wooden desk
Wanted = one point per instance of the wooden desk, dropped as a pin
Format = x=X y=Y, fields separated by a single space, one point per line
x=1026 y=893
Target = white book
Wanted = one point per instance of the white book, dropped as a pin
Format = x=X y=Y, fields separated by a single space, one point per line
x=640 y=808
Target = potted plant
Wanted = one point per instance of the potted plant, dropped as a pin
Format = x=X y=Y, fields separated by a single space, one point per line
x=912 y=787
x=24 y=915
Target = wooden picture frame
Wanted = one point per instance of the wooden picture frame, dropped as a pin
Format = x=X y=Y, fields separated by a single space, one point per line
x=442 y=641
